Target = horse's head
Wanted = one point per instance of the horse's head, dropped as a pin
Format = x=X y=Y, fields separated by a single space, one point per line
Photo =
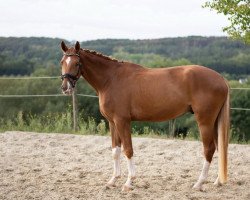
x=71 y=67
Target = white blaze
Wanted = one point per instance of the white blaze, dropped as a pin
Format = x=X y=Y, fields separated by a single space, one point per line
x=68 y=60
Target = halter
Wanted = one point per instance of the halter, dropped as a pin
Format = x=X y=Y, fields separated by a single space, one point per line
x=71 y=78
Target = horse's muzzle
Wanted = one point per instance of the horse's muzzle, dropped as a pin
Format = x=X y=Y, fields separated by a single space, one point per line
x=68 y=91
x=67 y=88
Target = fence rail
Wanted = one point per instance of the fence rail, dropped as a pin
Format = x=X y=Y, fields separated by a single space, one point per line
x=87 y=95
x=246 y=109
x=240 y=88
x=31 y=95
x=42 y=95
x=28 y=77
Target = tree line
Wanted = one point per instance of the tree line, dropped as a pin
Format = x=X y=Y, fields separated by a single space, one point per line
x=22 y=56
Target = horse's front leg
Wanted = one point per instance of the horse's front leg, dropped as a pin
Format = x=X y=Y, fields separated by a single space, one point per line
x=123 y=129
x=116 y=152
x=131 y=174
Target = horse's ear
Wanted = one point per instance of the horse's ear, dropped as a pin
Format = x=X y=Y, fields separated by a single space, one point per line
x=77 y=46
x=64 y=47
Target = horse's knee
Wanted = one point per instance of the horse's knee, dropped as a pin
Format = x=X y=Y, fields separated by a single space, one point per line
x=128 y=153
x=116 y=152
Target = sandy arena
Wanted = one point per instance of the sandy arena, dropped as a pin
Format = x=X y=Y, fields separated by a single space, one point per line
x=64 y=166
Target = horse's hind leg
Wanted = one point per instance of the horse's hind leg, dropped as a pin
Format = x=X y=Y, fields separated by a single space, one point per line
x=208 y=135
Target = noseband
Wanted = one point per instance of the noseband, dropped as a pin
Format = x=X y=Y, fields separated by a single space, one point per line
x=72 y=78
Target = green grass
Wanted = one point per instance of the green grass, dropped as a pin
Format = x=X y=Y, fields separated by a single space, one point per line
x=62 y=123
x=52 y=123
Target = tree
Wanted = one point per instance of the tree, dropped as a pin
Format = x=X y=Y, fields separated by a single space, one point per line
x=238 y=12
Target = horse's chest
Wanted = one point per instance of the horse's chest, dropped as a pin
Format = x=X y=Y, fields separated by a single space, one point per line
x=106 y=107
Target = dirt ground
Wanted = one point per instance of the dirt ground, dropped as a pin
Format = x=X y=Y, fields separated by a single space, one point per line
x=64 y=166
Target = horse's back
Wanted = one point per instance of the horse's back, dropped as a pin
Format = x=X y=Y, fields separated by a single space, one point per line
x=181 y=81
x=160 y=94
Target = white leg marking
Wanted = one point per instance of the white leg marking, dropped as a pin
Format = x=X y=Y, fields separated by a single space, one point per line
x=203 y=176
x=116 y=152
x=131 y=167
x=131 y=174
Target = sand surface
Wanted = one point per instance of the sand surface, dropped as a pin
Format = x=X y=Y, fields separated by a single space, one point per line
x=64 y=166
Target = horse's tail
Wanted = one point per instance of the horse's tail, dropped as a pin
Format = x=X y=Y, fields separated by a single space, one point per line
x=223 y=138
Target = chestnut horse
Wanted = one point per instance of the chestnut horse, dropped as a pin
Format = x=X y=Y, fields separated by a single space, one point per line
x=129 y=92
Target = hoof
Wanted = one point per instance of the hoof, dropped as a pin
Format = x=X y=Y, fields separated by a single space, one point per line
x=111 y=182
x=109 y=185
x=198 y=188
x=217 y=183
x=127 y=188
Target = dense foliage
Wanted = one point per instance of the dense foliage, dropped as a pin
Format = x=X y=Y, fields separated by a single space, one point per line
x=21 y=56
x=238 y=13
x=24 y=55
x=41 y=56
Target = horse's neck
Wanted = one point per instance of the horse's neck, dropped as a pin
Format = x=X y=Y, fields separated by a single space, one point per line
x=97 y=70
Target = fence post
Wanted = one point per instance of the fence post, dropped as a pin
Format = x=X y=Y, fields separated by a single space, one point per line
x=75 y=111
x=172 y=127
